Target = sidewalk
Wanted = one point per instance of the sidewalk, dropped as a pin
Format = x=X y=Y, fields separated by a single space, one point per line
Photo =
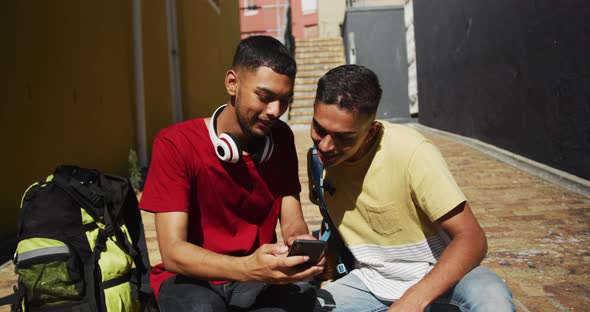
x=538 y=233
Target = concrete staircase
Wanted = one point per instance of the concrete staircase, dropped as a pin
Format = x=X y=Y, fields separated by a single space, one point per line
x=314 y=58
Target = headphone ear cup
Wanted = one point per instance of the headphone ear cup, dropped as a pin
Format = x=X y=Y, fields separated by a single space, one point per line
x=222 y=150
x=227 y=148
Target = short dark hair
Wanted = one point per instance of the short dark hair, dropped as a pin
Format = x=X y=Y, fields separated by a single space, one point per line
x=256 y=51
x=352 y=87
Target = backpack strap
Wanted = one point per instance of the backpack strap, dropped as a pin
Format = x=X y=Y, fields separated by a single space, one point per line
x=116 y=195
x=14 y=299
x=91 y=189
x=124 y=207
x=318 y=190
x=86 y=194
x=119 y=206
x=132 y=216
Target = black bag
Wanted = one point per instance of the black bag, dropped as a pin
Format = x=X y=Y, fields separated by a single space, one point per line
x=79 y=234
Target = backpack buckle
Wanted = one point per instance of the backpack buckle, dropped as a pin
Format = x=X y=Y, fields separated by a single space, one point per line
x=341 y=268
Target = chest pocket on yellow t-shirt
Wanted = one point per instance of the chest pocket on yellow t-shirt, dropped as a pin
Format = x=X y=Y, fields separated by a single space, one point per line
x=384 y=220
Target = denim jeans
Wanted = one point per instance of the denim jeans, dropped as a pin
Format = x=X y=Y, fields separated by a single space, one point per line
x=179 y=294
x=480 y=290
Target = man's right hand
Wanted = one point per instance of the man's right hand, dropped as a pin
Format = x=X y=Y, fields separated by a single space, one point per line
x=270 y=264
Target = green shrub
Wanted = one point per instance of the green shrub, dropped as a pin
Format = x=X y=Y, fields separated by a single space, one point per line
x=135 y=172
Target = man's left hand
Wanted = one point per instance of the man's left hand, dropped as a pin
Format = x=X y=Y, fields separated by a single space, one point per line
x=408 y=302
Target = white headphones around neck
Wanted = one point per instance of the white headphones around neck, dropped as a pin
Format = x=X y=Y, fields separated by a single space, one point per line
x=227 y=147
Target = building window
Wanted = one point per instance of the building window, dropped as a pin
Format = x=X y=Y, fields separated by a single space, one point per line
x=309 y=6
x=250 y=7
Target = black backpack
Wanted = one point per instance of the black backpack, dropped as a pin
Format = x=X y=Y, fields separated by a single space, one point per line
x=79 y=234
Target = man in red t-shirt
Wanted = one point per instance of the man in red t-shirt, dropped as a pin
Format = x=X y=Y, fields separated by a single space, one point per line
x=219 y=185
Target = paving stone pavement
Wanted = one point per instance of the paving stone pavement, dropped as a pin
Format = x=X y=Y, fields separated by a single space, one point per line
x=538 y=233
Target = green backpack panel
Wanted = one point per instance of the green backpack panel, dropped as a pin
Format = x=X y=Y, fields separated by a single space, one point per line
x=79 y=234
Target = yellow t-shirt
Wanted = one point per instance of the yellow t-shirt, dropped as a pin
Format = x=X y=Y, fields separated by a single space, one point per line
x=385 y=204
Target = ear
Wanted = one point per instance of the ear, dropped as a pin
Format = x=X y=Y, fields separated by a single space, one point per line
x=373 y=130
x=231 y=82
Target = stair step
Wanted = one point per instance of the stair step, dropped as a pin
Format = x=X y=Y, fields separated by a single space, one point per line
x=306 y=61
x=315 y=48
x=306 y=97
x=316 y=39
x=301 y=113
x=310 y=99
x=317 y=74
x=314 y=67
x=304 y=81
x=318 y=43
x=304 y=89
x=306 y=92
x=319 y=55
x=324 y=43
x=319 y=48
x=302 y=105
x=299 y=121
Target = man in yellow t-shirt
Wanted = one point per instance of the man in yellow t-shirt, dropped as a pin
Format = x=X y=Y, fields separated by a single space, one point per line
x=416 y=244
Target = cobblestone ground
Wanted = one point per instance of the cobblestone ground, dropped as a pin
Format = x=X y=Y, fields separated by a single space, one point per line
x=538 y=233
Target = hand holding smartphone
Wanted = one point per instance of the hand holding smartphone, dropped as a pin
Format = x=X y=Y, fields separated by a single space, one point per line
x=314 y=249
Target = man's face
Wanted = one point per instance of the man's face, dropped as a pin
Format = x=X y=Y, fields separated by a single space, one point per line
x=339 y=134
x=261 y=97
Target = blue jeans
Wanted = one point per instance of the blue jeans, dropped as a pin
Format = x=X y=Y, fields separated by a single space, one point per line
x=480 y=290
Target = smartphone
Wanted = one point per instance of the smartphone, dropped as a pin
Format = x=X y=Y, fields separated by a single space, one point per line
x=308 y=247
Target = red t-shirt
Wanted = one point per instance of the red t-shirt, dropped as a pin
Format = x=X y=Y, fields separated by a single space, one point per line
x=233 y=208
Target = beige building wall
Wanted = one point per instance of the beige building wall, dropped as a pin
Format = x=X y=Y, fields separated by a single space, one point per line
x=331 y=13
x=330 y=17
x=67 y=90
